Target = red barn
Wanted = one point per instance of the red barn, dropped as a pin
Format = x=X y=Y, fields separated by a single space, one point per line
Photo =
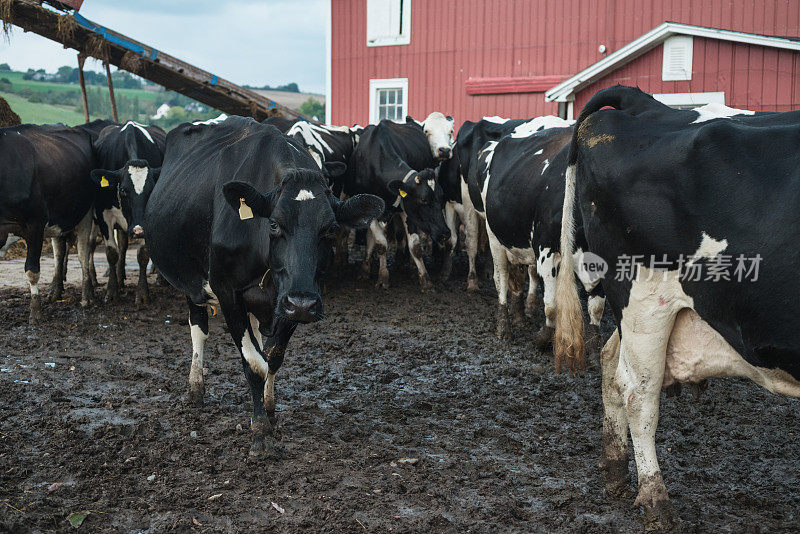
x=522 y=58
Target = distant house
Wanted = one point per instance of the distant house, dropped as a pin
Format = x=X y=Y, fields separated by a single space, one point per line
x=161 y=112
x=471 y=58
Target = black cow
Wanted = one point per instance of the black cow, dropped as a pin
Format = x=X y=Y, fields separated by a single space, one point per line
x=696 y=214
x=128 y=157
x=281 y=123
x=395 y=161
x=46 y=191
x=242 y=218
x=522 y=182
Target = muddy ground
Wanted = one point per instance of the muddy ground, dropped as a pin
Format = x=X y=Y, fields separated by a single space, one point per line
x=93 y=419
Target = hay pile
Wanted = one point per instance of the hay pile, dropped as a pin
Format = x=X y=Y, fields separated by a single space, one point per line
x=7 y=115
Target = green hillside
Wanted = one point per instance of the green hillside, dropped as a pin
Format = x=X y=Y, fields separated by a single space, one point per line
x=40 y=113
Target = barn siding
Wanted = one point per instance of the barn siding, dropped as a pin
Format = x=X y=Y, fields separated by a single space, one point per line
x=752 y=77
x=453 y=40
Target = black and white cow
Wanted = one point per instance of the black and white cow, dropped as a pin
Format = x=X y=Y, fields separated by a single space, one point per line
x=696 y=214
x=395 y=161
x=126 y=158
x=281 y=123
x=456 y=174
x=46 y=191
x=522 y=182
x=242 y=218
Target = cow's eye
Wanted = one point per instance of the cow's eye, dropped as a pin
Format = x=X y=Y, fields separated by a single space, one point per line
x=274 y=228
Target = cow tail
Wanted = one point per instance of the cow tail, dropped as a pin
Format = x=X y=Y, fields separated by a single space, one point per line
x=569 y=343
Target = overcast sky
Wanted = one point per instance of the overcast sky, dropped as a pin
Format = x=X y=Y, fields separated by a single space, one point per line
x=254 y=42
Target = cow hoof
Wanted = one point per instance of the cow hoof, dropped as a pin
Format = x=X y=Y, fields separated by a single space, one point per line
x=544 y=337
x=503 y=326
x=615 y=477
x=112 y=297
x=196 y=395
x=142 y=299
x=36 y=310
x=363 y=274
x=659 y=517
x=472 y=284
x=425 y=283
x=531 y=307
x=56 y=293
x=382 y=283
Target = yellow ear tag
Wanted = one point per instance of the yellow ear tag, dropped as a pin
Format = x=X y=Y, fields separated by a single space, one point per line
x=402 y=193
x=104 y=182
x=244 y=210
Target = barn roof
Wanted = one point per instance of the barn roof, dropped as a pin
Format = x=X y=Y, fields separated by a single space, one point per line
x=565 y=91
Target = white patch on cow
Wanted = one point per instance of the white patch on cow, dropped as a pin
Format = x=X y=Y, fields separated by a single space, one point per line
x=138 y=177
x=140 y=127
x=33 y=282
x=439 y=130
x=198 y=351
x=316 y=156
x=718 y=111
x=53 y=231
x=583 y=275
x=486 y=155
x=709 y=247
x=313 y=137
x=212 y=299
x=253 y=357
x=547 y=267
x=220 y=118
x=496 y=120
x=546 y=164
x=527 y=129
x=538 y=152
x=595 y=305
x=10 y=240
x=304 y=194
x=432 y=184
x=113 y=218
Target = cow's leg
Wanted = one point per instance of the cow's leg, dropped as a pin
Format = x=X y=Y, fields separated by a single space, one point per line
x=142 y=289
x=275 y=350
x=417 y=255
x=614 y=461
x=59 y=252
x=198 y=324
x=516 y=285
x=595 y=305
x=449 y=248
x=32 y=268
x=500 y=260
x=380 y=243
x=340 y=252
x=112 y=255
x=122 y=239
x=547 y=266
x=640 y=373
x=92 y=247
x=366 y=265
x=255 y=366
x=83 y=235
x=532 y=300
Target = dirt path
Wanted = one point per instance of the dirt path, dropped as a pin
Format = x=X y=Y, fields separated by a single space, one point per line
x=93 y=419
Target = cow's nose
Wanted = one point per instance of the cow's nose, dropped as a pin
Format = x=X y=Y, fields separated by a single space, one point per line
x=138 y=231
x=444 y=152
x=302 y=308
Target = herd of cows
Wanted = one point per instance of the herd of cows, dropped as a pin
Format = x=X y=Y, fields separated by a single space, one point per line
x=242 y=217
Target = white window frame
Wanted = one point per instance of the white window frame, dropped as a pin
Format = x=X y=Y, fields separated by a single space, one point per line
x=685 y=100
x=685 y=71
x=386 y=83
x=391 y=40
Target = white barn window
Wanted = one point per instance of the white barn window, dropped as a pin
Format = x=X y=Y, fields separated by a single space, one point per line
x=388 y=99
x=677 y=64
x=388 y=22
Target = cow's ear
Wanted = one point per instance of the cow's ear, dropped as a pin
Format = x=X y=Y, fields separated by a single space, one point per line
x=334 y=168
x=244 y=198
x=399 y=187
x=105 y=179
x=450 y=118
x=358 y=211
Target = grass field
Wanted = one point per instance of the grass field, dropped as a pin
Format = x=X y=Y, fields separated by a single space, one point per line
x=18 y=83
x=39 y=113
